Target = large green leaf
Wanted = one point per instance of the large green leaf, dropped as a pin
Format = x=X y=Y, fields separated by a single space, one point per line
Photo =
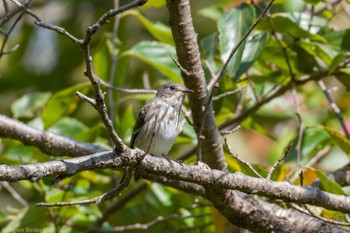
x=29 y=104
x=285 y=25
x=329 y=185
x=62 y=103
x=158 y=30
x=340 y=139
x=232 y=27
x=252 y=50
x=157 y=55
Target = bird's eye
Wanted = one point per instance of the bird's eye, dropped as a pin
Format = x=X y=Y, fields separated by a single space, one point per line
x=172 y=88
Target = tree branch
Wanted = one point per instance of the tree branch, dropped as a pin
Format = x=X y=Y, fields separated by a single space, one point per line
x=48 y=142
x=198 y=175
x=189 y=59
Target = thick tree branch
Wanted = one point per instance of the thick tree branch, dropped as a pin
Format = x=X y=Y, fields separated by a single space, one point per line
x=199 y=175
x=48 y=142
x=189 y=58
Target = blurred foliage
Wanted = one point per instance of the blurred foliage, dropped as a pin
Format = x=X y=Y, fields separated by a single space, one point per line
x=39 y=80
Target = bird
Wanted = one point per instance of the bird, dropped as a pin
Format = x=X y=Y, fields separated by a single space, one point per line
x=158 y=122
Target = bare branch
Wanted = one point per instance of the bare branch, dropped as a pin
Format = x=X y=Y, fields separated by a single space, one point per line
x=42 y=24
x=199 y=175
x=46 y=141
x=125 y=90
x=275 y=165
x=334 y=107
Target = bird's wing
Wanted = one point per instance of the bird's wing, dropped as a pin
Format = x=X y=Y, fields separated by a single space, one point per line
x=140 y=121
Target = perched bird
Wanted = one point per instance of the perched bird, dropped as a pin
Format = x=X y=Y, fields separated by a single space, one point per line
x=158 y=123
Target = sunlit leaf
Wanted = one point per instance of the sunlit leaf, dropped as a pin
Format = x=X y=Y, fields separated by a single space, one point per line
x=285 y=25
x=62 y=103
x=340 y=139
x=154 y=3
x=29 y=104
x=214 y=13
x=329 y=185
x=232 y=26
x=157 y=55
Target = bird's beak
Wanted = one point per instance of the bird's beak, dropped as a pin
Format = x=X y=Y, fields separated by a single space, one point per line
x=186 y=91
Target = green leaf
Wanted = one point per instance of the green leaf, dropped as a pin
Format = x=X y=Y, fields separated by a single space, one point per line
x=154 y=3
x=314 y=2
x=285 y=25
x=26 y=222
x=158 y=30
x=29 y=104
x=329 y=185
x=62 y=103
x=250 y=123
x=214 y=13
x=232 y=27
x=68 y=127
x=340 y=40
x=252 y=50
x=340 y=139
x=157 y=55
x=125 y=123
x=90 y=134
x=336 y=61
x=163 y=196
x=344 y=78
x=305 y=61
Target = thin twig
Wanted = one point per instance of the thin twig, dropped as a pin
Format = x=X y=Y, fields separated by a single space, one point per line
x=241 y=160
x=301 y=125
x=183 y=70
x=13 y=193
x=312 y=161
x=226 y=94
x=334 y=107
x=6 y=36
x=226 y=132
x=309 y=212
x=125 y=90
x=106 y=196
x=114 y=60
x=159 y=219
x=42 y=24
x=119 y=204
x=212 y=75
x=99 y=95
x=275 y=165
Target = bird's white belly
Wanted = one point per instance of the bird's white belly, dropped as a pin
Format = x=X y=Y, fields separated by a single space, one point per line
x=164 y=138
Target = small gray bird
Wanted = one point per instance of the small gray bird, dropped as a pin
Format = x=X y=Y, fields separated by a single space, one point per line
x=158 y=123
